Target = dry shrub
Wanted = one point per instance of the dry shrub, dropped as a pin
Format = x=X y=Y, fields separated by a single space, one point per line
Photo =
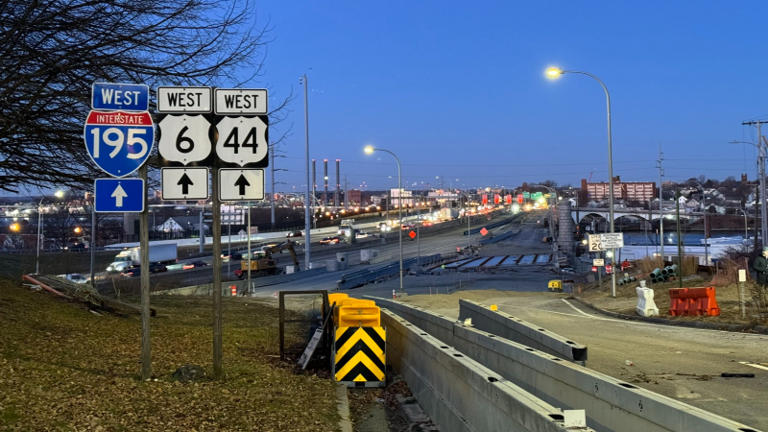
x=690 y=265
x=727 y=270
x=648 y=264
x=759 y=301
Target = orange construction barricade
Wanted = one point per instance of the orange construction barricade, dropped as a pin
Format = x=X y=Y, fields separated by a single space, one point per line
x=693 y=301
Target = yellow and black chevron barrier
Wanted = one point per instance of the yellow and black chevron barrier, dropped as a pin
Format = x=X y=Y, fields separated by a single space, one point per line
x=359 y=356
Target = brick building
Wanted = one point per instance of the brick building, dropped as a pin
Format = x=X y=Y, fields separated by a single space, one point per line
x=627 y=191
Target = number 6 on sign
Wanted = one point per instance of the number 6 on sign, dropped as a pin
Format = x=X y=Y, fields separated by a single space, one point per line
x=184 y=138
x=242 y=140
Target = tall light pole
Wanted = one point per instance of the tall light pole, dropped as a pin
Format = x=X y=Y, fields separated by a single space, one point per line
x=746 y=234
x=761 y=154
x=555 y=73
x=39 y=234
x=369 y=149
x=307 y=202
x=706 y=243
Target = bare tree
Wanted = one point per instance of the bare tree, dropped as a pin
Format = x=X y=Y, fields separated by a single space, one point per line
x=53 y=50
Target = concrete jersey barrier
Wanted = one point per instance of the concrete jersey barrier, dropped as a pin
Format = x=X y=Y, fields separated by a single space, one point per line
x=610 y=404
x=459 y=394
x=517 y=330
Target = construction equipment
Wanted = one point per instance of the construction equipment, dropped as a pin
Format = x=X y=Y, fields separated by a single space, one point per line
x=265 y=264
x=555 y=285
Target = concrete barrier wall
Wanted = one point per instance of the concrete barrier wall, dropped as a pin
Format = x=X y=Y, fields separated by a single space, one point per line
x=517 y=330
x=458 y=393
x=436 y=325
x=610 y=404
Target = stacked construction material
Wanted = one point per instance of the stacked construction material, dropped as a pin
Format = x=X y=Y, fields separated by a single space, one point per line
x=625 y=280
x=659 y=275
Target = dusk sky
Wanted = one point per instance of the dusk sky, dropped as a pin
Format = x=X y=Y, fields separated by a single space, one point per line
x=457 y=90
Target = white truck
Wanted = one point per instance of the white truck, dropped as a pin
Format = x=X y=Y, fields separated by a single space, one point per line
x=162 y=253
x=447 y=214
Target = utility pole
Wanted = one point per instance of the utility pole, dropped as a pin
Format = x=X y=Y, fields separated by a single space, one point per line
x=307 y=202
x=679 y=241
x=761 y=173
x=272 y=184
x=659 y=165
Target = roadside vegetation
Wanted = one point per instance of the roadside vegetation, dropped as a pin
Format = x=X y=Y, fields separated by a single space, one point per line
x=65 y=368
x=724 y=277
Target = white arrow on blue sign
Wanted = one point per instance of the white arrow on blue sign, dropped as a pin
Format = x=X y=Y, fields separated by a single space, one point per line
x=119 y=195
x=119 y=142
x=114 y=97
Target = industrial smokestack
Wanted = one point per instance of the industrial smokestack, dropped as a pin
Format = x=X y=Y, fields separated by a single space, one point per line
x=325 y=182
x=338 y=185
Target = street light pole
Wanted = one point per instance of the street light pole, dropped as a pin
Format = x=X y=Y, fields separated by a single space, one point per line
x=307 y=202
x=745 y=223
x=554 y=73
x=761 y=178
x=39 y=234
x=370 y=149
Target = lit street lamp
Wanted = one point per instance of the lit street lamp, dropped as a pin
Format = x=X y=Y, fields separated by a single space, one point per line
x=369 y=149
x=555 y=73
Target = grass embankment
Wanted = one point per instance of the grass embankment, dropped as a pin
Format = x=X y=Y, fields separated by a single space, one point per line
x=64 y=368
x=13 y=265
x=726 y=294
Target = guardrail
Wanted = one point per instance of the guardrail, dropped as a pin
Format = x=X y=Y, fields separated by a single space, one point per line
x=488 y=226
x=361 y=277
x=520 y=331
x=610 y=404
x=460 y=394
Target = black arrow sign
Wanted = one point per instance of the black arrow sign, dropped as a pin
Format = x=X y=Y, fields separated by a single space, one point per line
x=242 y=183
x=185 y=183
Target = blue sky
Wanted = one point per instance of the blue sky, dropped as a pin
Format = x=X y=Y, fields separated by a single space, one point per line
x=457 y=89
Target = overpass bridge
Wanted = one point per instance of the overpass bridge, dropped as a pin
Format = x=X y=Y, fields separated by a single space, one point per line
x=579 y=214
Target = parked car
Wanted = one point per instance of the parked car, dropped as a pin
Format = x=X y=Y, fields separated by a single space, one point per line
x=331 y=240
x=77 y=278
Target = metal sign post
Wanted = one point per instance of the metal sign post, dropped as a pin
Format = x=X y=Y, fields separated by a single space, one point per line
x=119 y=135
x=146 y=362
x=221 y=129
x=248 y=289
x=216 y=230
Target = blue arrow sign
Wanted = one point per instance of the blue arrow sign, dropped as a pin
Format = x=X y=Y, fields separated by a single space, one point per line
x=126 y=97
x=119 y=142
x=119 y=195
